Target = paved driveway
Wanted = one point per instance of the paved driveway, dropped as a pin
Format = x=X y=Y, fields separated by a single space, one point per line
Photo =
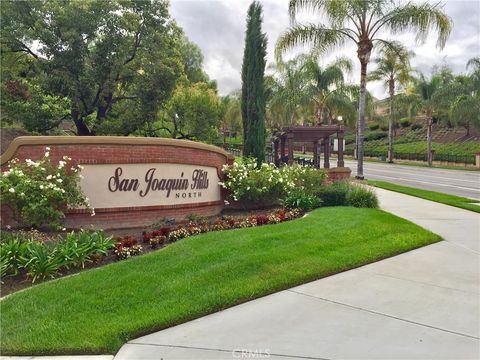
x=423 y=304
x=455 y=182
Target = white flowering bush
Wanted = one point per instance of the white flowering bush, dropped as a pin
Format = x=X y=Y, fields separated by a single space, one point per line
x=245 y=181
x=39 y=192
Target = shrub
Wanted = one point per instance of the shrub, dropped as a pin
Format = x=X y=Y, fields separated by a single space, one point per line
x=267 y=183
x=416 y=126
x=362 y=197
x=384 y=127
x=373 y=126
x=375 y=135
x=301 y=200
x=405 y=122
x=39 y=192
x=349 y=139
x=247 y=182
x=335 y=194
x=311 y=181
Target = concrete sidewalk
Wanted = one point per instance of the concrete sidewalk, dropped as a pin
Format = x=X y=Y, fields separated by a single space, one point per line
x=423 y=304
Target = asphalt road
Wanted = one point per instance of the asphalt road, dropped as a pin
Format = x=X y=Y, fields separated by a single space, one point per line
x=455 y=182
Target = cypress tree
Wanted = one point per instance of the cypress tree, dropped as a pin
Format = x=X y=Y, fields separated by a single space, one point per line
x=253 y=97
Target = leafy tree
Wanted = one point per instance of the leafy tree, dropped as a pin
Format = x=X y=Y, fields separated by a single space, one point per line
x=362 y=22
x=26 y=103
x=231 y=116
x=193 y=112
x=253 y=95
x=193 y=61
x=393 y=67
x=120 y=51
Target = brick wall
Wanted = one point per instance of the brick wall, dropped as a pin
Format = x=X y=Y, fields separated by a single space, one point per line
x=122 y=150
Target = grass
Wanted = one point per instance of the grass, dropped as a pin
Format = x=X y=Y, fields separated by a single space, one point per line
x=452 y=200
x=98 y=310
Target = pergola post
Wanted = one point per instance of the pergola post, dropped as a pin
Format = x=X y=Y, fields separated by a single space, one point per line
x=316 y=160
x=326 y=152
x=276 y=160
x=340 y=137
x=282 y=149
x=290 y=148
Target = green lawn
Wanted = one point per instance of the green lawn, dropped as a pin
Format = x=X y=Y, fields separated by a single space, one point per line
x=98 y=310
x=446 y=199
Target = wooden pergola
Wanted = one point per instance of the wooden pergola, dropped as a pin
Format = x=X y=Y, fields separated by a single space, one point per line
x=320 y=137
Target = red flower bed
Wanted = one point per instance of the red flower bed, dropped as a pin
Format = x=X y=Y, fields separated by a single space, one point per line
x=164 y=234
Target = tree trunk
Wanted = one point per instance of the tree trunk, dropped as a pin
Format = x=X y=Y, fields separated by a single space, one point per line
x=319 y=115
x=429 y=139
x=82 y=128
x=361 y=119
x=390 y=121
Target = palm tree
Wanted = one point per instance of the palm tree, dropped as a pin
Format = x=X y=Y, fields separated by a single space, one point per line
x=287 y=87
x=393 y=67
x=427 y=98
x=363 y=22
x=326 y=84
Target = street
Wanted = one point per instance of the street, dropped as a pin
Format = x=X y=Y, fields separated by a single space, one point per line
x=455 y=182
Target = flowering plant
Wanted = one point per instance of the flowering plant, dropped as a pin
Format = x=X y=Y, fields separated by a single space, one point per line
x=246 y=181
x=39 y=192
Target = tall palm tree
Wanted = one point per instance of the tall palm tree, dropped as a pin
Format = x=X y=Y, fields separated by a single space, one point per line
x=362 y=22
x=393 y=67
x=326 y=83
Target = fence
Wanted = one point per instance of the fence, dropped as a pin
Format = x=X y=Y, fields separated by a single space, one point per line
x=448 y=158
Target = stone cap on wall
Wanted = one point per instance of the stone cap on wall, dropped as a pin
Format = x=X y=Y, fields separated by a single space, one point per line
x=104 y=140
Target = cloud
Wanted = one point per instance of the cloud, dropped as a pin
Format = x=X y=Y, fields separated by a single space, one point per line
x=218 y=26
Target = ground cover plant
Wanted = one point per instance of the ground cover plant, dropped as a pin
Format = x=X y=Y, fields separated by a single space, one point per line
x=196 y=276
x=452 y=200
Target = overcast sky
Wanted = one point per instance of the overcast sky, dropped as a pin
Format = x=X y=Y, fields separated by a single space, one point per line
x=218 y=27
